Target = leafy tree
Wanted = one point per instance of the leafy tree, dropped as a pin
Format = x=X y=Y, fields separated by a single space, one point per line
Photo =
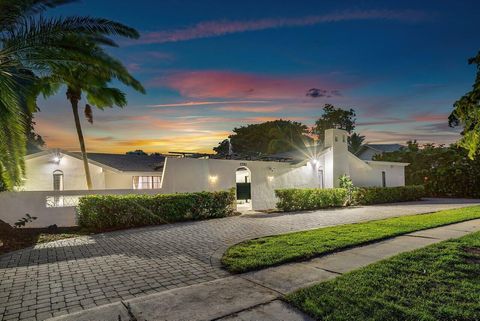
x=94 y=81
x=137 y=152
x=267 y=138
x=32 y=43
x=466 y=113
x=444 y=171
x=223 y=147
x=334 y=118
x=355 y=142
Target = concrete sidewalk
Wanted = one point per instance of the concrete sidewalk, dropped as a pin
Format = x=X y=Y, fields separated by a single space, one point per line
x=256 y=295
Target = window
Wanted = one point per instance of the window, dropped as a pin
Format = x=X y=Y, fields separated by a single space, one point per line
x=320 y=178
x=58 y=180
x=147 y=182
x=384 y=180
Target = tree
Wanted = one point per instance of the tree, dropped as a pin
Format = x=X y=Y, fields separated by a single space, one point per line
x=137 y=152
x=444 y=171
x=334 y=118
x=355 y=143
x=32 y=43
x=93 y=80
x=223 y=147
x=267 y=138
x=466 y=113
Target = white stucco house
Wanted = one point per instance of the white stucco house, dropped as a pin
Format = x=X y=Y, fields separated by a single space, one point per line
x=256 y=180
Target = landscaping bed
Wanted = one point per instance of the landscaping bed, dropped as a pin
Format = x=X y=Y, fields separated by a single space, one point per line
x=100 y=212
x=439 y=282
x=301 y=199
x=12 y=239
x=274 y=250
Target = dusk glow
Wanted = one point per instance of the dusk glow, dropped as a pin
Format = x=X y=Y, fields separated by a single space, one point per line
x=210 y=66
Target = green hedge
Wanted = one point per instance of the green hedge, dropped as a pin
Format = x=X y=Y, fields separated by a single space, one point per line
x=298 y=199
x=378 y=195
x=124 y=211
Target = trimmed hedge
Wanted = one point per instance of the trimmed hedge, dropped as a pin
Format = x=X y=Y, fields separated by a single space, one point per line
x=298 y=199
x=123 y=211
x=378 y=195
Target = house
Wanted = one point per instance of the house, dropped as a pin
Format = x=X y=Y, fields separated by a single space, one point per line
x=255 y=180
x=367 y=151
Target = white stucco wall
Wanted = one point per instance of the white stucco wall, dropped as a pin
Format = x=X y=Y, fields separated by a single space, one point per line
x=370 y=174
x=39 y=173
x=194 y=175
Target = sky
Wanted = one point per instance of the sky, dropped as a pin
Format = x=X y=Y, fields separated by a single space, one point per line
x=210 y=66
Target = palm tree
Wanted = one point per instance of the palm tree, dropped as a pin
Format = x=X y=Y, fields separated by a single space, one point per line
x=92 y=80
x=355 y=143
x=31 y=43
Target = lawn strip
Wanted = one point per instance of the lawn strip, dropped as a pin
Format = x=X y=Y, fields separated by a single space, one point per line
x=274 y=250
x=439 y=282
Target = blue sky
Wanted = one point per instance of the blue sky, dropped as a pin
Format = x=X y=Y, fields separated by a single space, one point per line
x=210 y=66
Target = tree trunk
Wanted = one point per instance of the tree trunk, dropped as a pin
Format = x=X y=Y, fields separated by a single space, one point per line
x=74 y=97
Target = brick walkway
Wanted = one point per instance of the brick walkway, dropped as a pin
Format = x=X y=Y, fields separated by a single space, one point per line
x=70 y=275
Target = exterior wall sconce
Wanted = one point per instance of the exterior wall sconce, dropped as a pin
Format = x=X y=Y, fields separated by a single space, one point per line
x=314 y=161
x=270 y=178
x=57 y=157
x=212 y=179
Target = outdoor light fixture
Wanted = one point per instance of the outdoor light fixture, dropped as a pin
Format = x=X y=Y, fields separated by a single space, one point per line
x=270 y=178
x=314 y=161
x=213 y=178
x=57 y=157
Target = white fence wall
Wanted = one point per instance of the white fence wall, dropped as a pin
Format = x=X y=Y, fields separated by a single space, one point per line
x=50 y=207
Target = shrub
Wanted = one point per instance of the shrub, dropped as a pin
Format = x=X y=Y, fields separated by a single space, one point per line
x=377 y=195
x=297 y=199
x=124 y=211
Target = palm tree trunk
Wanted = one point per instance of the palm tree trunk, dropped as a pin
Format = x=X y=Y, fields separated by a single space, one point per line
x=74 y=97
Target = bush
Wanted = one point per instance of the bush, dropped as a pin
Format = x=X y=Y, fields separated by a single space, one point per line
x=377 y=195
x=296 y=199
x=124 y=211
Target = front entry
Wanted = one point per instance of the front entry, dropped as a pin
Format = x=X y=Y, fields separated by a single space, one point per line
x=244 y=189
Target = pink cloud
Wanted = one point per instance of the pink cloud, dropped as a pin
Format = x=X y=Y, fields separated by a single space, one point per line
x=429 y=117
x=252 y=109
x=223 y=84
x=220 y=28
x=204 y=103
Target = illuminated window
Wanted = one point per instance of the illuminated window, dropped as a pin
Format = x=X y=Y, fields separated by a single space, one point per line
x=147 y=182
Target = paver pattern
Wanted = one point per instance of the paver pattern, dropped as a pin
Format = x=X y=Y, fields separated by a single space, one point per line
x=70 y=275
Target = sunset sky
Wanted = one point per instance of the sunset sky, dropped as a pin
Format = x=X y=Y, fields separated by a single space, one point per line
x=210 y=66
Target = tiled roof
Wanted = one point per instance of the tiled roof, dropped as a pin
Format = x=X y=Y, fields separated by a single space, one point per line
x=129 y=162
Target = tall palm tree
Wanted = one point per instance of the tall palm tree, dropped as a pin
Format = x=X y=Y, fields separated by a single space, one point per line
x=31 y=43
x=355 y=143
x=93 y=80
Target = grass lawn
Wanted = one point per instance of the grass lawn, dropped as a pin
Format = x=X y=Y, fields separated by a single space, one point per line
x=439 y=282
x=273 y=250
x=15 y=239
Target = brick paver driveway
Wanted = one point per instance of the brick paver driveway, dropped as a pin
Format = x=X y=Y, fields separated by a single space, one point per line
x=69 y=275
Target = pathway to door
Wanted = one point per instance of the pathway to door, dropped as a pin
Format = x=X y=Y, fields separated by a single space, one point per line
x=70 y=275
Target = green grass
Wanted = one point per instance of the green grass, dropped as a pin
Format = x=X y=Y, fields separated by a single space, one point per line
x=273 y=250
x=439 y=282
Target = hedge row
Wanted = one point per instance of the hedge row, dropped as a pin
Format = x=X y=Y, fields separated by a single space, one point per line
x=298 y=199
x=378 y=195
x=123 y=211
x=295 y=199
